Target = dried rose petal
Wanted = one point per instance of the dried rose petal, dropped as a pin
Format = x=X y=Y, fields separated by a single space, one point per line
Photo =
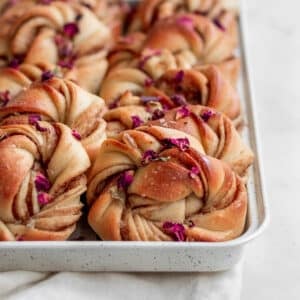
x=182 y=112
x=207 y=115
x=149 y=156
x=219 y=24
x=67 y=63
x=177 y=230
x=47 y=75
x=144 y=59
x=42 y=183
x=70 y=29
x=182 y=143
x=44 y=198
x=179 y=77
x=186 y=22
x=179 y=99
x=146 y=99
x=78 y=17
x=4 y=98
x=15 y=62
x=136 y=121
x=124 y=180
x=114 y=103
x=158 y=114
x=148 y=82
x=34 y=121
x=76 y=134
x=191 y=224
x=20 y=238
x=194 y=172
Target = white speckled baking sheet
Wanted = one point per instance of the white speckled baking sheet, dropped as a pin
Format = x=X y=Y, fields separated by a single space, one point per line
x=84 y=253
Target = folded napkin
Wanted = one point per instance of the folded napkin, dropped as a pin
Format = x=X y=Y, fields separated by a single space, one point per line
x=35 y=285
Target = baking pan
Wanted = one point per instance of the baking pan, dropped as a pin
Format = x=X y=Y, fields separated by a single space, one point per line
x=95 y=255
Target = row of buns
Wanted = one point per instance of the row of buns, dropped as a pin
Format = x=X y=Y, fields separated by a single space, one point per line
x=134 y=109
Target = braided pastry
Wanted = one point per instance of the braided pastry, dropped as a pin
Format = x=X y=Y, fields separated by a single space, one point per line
x=40 y=186
x=59 y=100
x=216 y=133
x=112 y=12
x=14 y=80
x=150 y=184
x=203 y=85
x=151 y=11
x=64 y=34
x=196 y=35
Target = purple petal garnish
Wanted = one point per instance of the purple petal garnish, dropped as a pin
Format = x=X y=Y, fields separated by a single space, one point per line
x=179 y=77
x=15 y=62
x=207 y=115
x=47 y=75
x=157 y=114
x=78 y=17
x=179 y=99
x=177 y=230
x=44 y=198
x=76 y=134
x=182 y=143
x=149 y=156
x=194 y=172
x=71 y=29
x=42 y=183
x=144 y=59
x=191 y=224
x=64 y=45
x=124 y=180
x=67 y=63
x=186 y=22
x=146 y=99
x=182 y=112
x=114 y=103
x=148 y=82
x=219 y=24
x=34 y=121
x=4 y=98
x=136 y=121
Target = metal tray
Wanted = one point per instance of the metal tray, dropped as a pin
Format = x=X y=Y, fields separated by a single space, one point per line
x=155 y=256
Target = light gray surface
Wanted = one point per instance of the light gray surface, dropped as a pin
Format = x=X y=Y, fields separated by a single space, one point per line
x=272 y=262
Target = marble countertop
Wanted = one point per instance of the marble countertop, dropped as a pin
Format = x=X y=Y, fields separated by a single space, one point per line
x=272 y=262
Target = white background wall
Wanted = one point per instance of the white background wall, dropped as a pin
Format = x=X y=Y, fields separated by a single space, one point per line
x=272 y=263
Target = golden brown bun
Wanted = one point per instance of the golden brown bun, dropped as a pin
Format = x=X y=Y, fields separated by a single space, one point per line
x=59 y=100
x=203 y=85
x=14 y=80
x=65 y=34
x=187 y=40
x=134 y=196
x=216 y=133
x=111 y=12
x=40 y=186
x=151 y=11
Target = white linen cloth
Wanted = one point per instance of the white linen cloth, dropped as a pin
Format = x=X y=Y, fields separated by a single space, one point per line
x=19 y=285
